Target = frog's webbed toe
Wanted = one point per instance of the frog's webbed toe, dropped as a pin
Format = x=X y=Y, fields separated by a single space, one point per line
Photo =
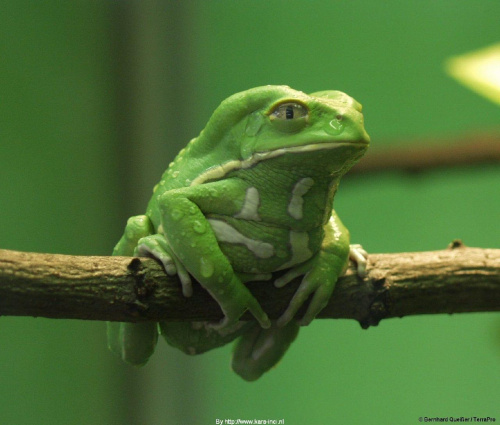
x=158 y=247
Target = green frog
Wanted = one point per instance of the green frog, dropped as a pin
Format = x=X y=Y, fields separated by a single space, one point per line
x=250 y=196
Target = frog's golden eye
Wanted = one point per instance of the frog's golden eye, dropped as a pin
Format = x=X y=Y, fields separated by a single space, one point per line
x=289 y=111
x=289 y=116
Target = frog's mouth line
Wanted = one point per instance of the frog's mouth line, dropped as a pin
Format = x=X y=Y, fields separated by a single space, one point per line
x=219 y=171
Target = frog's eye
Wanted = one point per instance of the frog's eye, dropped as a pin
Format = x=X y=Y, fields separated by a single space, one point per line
x=289 y=111
x=289 y=117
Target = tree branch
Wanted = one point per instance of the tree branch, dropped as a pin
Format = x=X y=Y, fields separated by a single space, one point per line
x=455 y=280
x=426 y=155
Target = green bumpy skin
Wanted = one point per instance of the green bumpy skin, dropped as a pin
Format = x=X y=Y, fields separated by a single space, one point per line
x=251 y=195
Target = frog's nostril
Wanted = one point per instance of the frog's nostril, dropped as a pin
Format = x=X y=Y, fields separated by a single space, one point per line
x=335 y=127
x=339 y=117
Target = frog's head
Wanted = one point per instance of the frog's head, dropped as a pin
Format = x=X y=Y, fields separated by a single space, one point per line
x=271 y=122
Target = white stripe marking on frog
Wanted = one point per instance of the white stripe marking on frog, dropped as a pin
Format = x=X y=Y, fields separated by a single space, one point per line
x=295 y=207
x=299 y=242
x=227 y=233
x=219 y=171
x=249 y=210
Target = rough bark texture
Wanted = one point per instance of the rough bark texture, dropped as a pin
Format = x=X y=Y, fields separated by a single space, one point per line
x=455 y=280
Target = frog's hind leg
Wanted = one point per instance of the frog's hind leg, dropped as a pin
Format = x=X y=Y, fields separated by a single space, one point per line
x=258 y=350
x=133 y=342
x=198 y=337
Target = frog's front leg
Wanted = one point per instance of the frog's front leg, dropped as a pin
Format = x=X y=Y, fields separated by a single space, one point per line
x=320 y=273
x=194 y=244
x=133 y=342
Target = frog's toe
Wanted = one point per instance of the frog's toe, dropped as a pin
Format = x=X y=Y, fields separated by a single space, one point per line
x=261 y=317
x=225 y=326
x=292 y=274
x=318 y=303
x=157 y=246
x=298 y=299
x=317 y=281
x=184 y=277
x=220 y=326
x=187 y=284
x=144 y=249
x=170 y=269
x=233 y=314
x=360 y=257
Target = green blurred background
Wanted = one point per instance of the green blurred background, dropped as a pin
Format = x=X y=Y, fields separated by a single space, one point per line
x=96 y=98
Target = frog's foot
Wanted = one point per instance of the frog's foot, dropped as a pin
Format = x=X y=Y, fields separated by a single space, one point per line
x=236 y=300
x=258 y=350
x=232 y=316
x=360 y=257
x=319 y=280
x=158 y=247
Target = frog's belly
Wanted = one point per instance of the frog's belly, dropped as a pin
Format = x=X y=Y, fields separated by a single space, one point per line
x=254 y=247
